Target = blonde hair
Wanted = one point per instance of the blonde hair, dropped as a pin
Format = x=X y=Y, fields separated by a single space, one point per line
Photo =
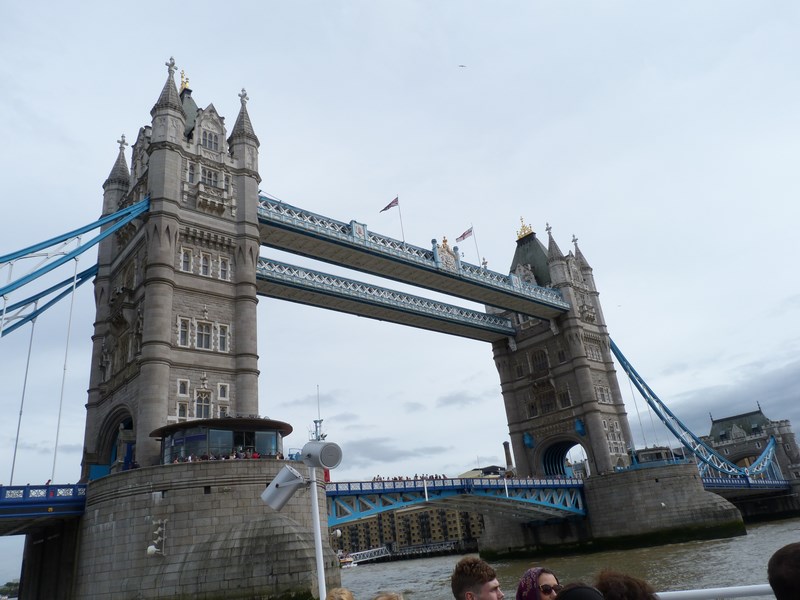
x=339 y=594
x=388 y=596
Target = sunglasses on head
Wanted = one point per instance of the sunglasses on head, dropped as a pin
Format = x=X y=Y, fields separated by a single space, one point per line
x=549 y=589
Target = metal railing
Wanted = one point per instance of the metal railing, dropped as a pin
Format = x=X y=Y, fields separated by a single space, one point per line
x=762 y=590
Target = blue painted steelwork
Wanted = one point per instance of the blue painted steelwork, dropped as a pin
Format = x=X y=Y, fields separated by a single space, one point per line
x=35 y=501
x=79 y=280
x=551 y=498
x=356 y=235
x=709 y=461
x=303 y=278
x=125 y=216
x=745 y=483
x=119 y=219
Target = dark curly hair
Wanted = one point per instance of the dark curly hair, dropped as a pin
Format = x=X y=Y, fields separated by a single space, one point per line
x=783 y=571
x=619 y=586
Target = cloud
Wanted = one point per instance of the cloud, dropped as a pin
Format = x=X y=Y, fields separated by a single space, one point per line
x=462 y=398
x=345 y=417
x=776 y=390
x=377 y=451
x=412 y=407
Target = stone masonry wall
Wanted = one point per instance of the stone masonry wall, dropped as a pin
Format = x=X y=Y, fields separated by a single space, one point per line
x=634 y=508
x=221 y=540
x=661 y=504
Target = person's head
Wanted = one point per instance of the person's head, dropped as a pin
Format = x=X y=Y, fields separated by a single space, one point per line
x=783 y=571
x=339 y=594
x=538 y=584
x=619 y=586
x=579 y=591
x=475 y=579
x=388 y=596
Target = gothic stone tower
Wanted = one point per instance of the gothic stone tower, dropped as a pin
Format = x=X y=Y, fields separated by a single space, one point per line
x=175 y=293
x=557 y=377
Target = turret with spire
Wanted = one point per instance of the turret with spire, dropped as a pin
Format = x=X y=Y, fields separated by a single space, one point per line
x=169 y=118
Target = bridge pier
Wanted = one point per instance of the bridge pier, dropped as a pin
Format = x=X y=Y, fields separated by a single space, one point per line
x=48 y=562
x=770 y=507
x=218 y=539
x=657 y=505
x=631 y=508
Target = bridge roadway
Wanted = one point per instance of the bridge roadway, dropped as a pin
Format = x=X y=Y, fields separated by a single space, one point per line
x=523 y=500
x=26 y=509
x=352 y=245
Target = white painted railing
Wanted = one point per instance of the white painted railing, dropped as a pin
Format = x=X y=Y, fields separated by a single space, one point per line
x=739 y=591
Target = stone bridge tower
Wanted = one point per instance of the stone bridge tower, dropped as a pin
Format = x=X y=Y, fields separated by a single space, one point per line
x=175 y=293
x=557 y=377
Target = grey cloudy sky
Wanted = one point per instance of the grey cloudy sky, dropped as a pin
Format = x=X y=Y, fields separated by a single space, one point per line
x=664 y=135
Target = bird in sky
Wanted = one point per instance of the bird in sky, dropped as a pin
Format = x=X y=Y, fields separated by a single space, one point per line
x=463 y=66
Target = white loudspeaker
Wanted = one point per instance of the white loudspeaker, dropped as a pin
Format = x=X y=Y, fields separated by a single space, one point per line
x=282 y=487
x=324 y=455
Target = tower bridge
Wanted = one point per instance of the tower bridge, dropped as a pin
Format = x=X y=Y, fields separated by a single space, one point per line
x=176 y=286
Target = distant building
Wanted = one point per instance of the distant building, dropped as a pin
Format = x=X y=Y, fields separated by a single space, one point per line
x=490 y=472
x=742 y=438
x=411 y=528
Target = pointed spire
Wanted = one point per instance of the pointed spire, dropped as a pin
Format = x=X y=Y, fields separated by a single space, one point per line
x=553 y=251
x=169 y=98
x=119 y=172
x=243 y=128
x=579 y=254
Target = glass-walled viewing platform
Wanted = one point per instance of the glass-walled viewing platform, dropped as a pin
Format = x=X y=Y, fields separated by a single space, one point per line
x=222 y=439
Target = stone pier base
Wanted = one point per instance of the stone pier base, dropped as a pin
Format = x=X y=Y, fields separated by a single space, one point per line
x=657 y=505
x=219 y=540
x=635 y=508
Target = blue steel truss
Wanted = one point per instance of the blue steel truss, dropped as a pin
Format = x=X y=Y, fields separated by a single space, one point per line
x=379 y=296
x=709 y=462
x=551 y=498
x=275 y=211
x=35 y=501
x=28 y=309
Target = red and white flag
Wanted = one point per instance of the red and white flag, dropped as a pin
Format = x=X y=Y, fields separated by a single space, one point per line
x=392 y=204
x=464 y=235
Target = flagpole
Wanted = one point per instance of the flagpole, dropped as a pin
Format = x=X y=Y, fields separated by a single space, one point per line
x=400 y=212
x=475 y=237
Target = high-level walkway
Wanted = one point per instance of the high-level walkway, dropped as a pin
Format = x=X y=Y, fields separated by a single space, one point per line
x=352 y=245
x=306 y=286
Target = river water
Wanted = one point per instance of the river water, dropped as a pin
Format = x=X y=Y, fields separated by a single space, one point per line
x=704 y=564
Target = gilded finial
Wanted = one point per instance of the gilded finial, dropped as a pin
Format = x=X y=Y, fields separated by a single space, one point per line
x=444 y=241
x=184 y=81
x=524 y=229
